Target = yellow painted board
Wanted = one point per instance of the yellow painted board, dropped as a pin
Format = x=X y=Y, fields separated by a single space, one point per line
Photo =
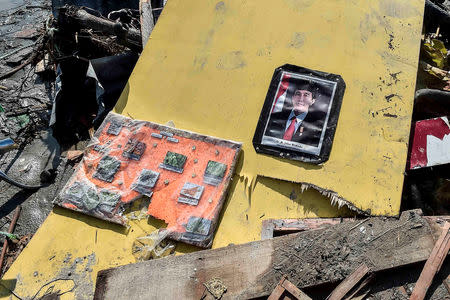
x=70 y=245
x=208 y=65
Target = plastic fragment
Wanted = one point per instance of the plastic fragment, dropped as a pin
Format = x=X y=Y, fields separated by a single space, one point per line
x=9 y=235
x=7 y=144
x=154 y=245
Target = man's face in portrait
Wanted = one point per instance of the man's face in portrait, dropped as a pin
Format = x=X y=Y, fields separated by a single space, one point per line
x=302 y=100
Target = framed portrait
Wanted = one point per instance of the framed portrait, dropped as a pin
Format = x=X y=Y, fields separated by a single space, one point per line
x=300 y=114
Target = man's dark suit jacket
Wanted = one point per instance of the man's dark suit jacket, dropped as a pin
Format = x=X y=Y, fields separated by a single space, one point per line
x=312 y=125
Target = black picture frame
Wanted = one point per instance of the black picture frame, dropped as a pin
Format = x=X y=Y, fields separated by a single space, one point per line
x=304 y=131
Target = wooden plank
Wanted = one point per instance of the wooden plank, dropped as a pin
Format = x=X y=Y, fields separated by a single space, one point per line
x=360 y=286
x=286 y=285
x=254 y=269
x=294 y=291
x=270 y=226
x=345 y=286
x=437 y=224
x=278 y=290
x=432 y=265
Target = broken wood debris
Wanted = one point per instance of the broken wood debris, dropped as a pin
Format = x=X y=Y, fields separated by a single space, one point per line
x=12 y=225
x=433 y=264
x=285 y=285
x=76 y=18
x=308 y=259
x=74 y=155
x=349 y=283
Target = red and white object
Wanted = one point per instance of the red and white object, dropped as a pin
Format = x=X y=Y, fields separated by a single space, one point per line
x=281 y=95
x=431 y=143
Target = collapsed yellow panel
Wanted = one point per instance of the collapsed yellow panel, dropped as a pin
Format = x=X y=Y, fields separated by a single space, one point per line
x=208 y=65
x=72 y=246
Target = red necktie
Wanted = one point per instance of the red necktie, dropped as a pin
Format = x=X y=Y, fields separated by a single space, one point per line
x=290 y=131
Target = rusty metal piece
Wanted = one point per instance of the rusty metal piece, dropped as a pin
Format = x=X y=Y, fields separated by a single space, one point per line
x=10 y=230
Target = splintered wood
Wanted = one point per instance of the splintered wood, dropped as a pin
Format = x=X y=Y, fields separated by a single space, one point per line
x=254 y=269
x=285 y=285
x=349 y=283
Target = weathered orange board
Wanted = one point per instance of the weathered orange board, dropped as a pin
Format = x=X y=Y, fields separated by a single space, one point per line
x=185 y=175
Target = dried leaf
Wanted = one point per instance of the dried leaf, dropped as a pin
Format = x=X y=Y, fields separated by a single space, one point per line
x=436 y=51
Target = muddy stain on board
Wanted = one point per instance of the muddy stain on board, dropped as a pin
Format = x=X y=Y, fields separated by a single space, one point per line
x=372 y=22
x=201 y=59
x=231 y=61
x=297 y=41
x=397 y=9
x=366 y=28
x=391 y=40
x=80 y=271
x=299 y=5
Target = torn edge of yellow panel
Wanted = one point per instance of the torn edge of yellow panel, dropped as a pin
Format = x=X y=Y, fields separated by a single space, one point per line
x=335 y=199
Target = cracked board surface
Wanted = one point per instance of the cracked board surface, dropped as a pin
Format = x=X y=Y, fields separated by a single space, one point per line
x=66 y=232
x=220 y=60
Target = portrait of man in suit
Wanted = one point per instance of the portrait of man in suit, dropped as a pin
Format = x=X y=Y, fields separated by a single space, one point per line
x=297 y=119
x=300 y=113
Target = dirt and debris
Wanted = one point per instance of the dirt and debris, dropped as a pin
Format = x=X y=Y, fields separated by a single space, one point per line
x=331 y=249
x=15 y=248
x=427 y=188
x=396 y=284
x=314 y=261
x=79 y=271
x=28 y=68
